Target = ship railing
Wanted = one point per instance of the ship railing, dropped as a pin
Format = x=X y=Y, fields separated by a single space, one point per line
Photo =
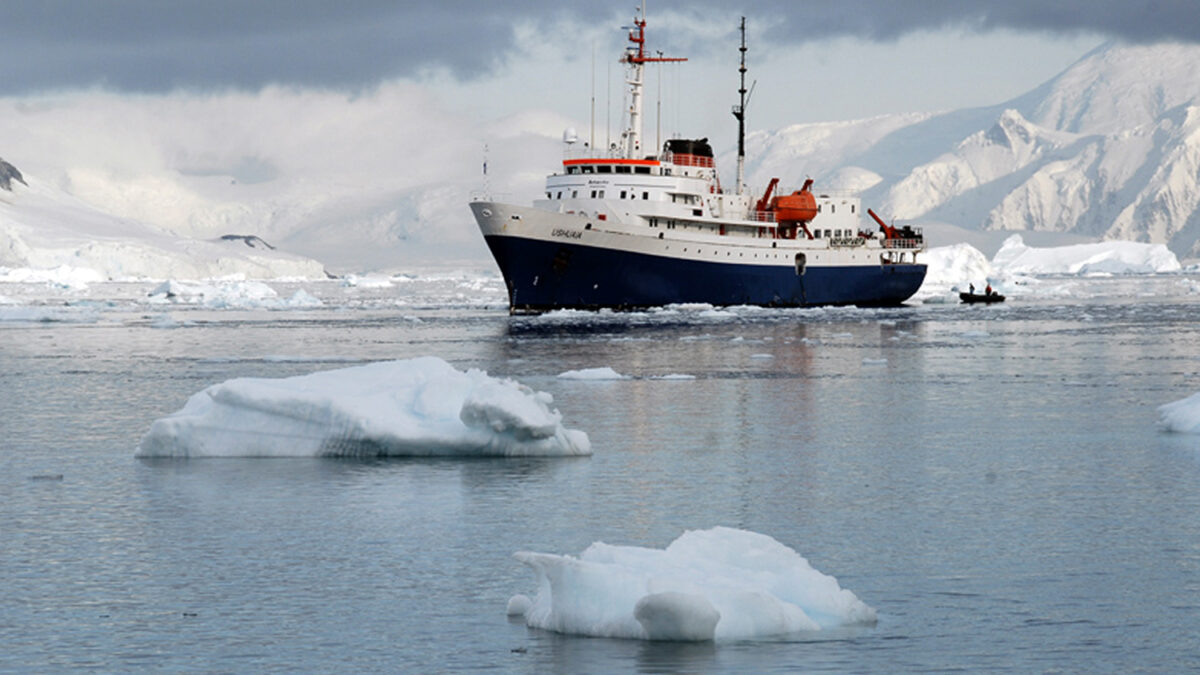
x=763 y=216
x=847 y=242
x=485 y=196
x=585 y=152
x=835 y=193
x=904 y=242
x=687 y=159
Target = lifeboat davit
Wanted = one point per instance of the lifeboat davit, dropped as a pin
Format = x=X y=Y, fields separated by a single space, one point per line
x=798 y=207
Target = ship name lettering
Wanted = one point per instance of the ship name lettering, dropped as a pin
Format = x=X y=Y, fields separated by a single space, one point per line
x=569 y=234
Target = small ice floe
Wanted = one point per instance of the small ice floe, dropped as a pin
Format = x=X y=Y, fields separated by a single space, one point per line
x=674 y=376
x=605 y=373
x=868 y=361
x=717 y=314
x=233 y=294
x=762 y=356
x=519 y=604
x=1181 y=416
x=366 y=281
x=718 y=584
x=302 y=298
x=418 y=407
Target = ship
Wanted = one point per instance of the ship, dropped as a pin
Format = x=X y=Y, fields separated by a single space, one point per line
x=619 y=228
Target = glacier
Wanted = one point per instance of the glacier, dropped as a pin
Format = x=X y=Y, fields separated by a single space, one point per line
x=416 y=407
x=44 y=229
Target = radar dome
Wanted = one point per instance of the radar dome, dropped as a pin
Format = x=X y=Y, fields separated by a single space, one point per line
x=569 y=135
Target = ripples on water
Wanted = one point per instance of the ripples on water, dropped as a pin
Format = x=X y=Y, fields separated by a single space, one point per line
x=992 y=480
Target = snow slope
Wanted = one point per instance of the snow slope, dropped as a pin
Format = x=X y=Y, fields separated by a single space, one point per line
x=374 y=181
x=43 y=228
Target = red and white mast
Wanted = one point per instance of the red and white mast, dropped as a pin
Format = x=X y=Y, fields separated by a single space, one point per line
x=635 y=57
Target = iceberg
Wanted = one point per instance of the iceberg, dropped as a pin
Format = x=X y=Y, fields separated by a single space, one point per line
x=415 y=407
x=604 y=373
x=955 y=264
x=1181 y=416
x=716 y=584
x=1106 y=257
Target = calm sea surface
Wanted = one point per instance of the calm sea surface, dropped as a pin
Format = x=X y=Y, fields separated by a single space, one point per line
x=990 y=479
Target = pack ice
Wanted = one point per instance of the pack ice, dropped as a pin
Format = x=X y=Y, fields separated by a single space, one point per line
x=717 y=584
x=415 y=407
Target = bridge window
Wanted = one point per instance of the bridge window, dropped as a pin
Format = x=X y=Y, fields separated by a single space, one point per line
x=622 y=169
x=587 y=169
x=604 y=168
x=641 y=169
x=572 y=169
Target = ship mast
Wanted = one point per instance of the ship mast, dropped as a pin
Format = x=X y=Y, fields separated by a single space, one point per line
x=739 y=111
x=635 y=57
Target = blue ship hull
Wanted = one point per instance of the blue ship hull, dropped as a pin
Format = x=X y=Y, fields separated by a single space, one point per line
x=544 y=276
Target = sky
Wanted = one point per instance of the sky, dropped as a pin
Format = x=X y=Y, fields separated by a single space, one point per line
x=812 y=61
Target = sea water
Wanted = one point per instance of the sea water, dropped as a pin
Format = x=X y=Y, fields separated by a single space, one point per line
x=992 y=480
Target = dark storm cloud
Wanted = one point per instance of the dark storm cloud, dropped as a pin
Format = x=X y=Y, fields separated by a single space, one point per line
x=1131 y=20
x=156 y=45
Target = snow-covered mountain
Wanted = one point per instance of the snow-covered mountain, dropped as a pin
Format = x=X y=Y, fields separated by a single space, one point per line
x=43 y=228
x=1109 y=149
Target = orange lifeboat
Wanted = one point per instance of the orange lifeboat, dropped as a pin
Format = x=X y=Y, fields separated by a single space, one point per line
x=798 y=207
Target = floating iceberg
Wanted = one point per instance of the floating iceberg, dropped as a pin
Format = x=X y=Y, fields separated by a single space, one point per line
x=605 y=373
x=1181 y=416
x=417 y=407
x=958 y=263
x=718 y=584
x=1106 y=257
